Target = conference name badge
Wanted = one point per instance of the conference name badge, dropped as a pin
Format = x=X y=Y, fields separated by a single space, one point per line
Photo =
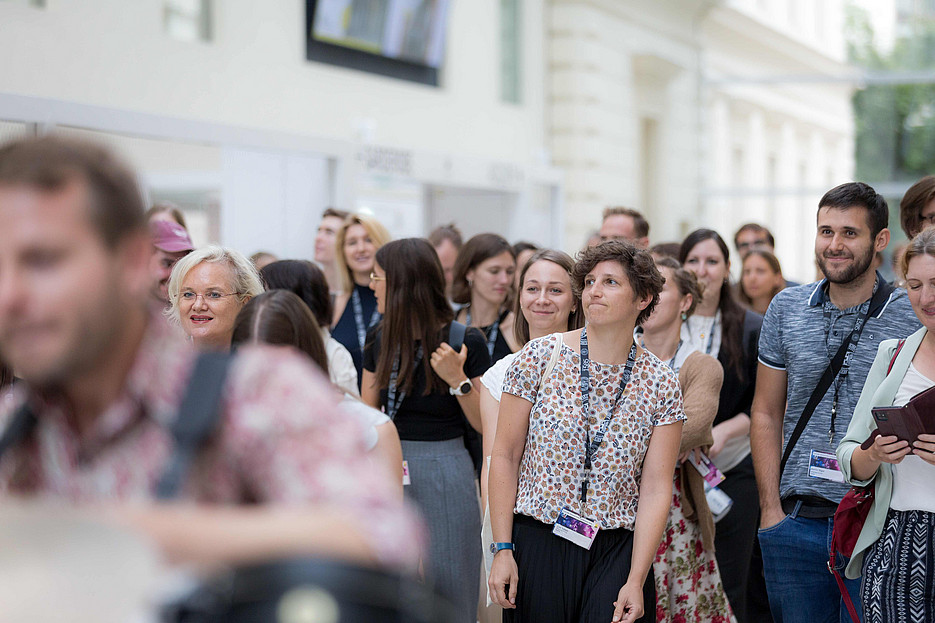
x=573 y=527
x=824 y=465
x=406 y=479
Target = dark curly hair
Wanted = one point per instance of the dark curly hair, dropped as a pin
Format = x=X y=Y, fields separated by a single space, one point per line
x=645 y=279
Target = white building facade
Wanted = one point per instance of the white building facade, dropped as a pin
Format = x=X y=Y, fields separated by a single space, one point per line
x=255 y=140
x=779 y=122
x=697 y=112
x=701 y=114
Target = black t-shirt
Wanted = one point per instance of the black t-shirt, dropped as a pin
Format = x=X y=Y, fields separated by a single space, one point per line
x=736 y=392
x=438 y=416
x=500 y=347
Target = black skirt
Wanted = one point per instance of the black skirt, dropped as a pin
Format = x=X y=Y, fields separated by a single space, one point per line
x=560 y=582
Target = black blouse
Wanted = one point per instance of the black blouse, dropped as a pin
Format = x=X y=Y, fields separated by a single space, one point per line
x=438 y=416
x=736 y=392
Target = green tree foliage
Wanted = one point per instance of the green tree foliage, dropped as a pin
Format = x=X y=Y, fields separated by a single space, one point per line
x=895 y=124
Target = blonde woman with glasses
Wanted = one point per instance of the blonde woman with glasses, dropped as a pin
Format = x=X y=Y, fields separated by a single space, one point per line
x=207 y=290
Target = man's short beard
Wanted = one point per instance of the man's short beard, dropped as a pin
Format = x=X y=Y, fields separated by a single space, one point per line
x=855 y=270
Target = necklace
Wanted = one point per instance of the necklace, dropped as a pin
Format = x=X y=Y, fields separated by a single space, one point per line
x=707 y=331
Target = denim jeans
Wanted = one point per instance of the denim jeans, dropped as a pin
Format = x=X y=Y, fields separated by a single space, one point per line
x=795 y=561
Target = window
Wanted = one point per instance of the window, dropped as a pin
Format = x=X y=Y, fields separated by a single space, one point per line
x=511 y=44
x=12 y=130
x=188 y=20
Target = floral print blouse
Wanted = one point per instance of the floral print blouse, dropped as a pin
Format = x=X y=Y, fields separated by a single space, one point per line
x=552 y=467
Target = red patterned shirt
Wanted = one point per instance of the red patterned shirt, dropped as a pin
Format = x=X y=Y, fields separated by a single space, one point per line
x=281 y=440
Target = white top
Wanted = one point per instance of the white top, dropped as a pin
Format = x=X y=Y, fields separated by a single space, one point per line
x=369 y=417
x=913 y=477
x=340 y=365
x=703 y=333
x=492 y=379
x=685 y=348
x=697 y=331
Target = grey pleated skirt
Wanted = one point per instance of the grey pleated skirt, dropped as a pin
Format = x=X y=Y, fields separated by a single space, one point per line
x=443 y=488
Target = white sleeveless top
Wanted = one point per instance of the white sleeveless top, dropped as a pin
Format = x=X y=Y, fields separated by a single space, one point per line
x=913 y=477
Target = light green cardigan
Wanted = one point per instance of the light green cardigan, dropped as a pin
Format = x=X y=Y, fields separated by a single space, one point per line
x=879 y=391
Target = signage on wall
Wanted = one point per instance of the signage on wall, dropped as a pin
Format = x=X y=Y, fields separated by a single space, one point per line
x=437 y=168
x=386 y=160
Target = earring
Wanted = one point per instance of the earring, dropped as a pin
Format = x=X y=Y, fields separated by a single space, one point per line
x=684 y=316
x=470 y=283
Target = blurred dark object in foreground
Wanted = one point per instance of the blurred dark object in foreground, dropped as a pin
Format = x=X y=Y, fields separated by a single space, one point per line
x=305 y=590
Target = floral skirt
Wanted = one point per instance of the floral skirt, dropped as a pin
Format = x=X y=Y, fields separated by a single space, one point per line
x=688 y=583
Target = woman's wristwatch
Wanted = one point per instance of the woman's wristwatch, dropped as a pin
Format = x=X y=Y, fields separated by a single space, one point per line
x=462 y=389
x=496 y=547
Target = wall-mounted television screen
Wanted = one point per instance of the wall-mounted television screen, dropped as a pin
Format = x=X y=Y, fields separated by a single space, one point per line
x=398 y=38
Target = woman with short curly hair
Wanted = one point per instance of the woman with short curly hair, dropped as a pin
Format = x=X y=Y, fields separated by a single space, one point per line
x=586 y=444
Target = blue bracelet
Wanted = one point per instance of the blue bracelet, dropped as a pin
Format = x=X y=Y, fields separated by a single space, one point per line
x=496 y=547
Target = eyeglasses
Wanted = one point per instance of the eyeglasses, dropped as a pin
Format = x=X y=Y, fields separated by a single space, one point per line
x=376 y=277
x=208 y=297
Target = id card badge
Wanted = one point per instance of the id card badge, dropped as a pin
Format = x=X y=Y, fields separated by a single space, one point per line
x=406 y=479
x=573 y=527
x=706 y=467
x=824 y=465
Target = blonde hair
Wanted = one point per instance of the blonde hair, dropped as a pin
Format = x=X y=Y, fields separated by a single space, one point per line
x=378 y=235
x=922 y=244
x=247 y=282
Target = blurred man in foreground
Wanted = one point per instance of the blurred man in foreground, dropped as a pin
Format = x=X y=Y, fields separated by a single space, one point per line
x=104 y=379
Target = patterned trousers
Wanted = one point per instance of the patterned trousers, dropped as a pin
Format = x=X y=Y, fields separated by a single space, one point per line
x=899 y=572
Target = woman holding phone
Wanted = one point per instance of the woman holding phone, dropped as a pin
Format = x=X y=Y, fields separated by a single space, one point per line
x=895 y=549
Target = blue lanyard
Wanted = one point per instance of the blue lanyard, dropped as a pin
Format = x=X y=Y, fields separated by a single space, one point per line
x=710 y=345
x=671 y=362
x=491 y=336
x=359 y=318
x=392 y=401
x=590 y=447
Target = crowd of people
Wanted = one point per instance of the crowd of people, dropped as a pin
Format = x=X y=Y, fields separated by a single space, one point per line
x=626 y=435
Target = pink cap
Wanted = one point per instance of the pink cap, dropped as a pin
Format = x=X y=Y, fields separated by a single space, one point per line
x=170 y=237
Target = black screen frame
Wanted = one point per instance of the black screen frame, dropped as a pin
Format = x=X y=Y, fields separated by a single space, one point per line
x=350 y=58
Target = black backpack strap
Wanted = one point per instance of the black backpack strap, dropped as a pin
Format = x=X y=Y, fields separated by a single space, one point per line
x=197 y=418
x=21 y=424
x=456 y=335
x=879 y=299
